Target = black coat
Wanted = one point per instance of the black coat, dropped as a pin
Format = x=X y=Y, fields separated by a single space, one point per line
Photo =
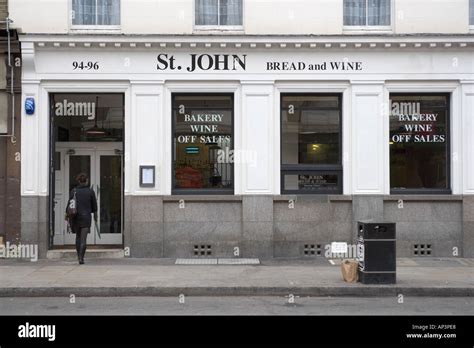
x=86 y=204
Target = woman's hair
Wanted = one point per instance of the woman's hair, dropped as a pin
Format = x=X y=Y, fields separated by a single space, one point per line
x=82 y=178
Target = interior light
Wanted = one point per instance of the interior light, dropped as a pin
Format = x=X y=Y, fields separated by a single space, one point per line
x=95 y=130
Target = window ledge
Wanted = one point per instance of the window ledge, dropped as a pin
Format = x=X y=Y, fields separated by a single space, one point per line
x=95 y=30
x=202 y=198
x=218 y=30
x=357 y=30
x=312 y=197
x=423 y=197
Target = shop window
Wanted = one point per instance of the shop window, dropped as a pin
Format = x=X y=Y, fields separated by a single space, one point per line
x=419 y=143
x=311 y=144
x=218 y=13
x=95 y=13
x=203 y=153
x=367 y=13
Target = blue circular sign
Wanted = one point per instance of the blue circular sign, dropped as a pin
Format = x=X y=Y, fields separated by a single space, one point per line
x=30 y=106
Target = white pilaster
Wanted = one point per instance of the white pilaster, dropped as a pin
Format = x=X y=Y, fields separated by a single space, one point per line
x=467 y=91
x=258 y=137
x=147 y=146
x=368 y=129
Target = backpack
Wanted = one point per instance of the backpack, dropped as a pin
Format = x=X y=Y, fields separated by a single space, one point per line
x=72 y=205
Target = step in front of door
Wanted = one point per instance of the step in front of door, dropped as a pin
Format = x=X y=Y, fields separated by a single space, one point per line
x=70 y=254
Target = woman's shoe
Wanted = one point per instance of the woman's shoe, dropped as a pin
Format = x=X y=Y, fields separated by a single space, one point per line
x=81 y=262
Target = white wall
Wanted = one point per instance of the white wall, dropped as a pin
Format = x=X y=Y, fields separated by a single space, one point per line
x=40 y=16
x=293 y=17
x=431 y=16
x=157 y=16
x=261 y=17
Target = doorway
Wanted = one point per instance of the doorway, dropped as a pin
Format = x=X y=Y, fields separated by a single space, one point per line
x=88 y=138
x=103 y=165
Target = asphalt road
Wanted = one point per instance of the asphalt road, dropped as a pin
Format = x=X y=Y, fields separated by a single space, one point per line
x=238 y=306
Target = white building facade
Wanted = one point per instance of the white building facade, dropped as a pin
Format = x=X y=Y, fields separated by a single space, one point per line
x=211 y=128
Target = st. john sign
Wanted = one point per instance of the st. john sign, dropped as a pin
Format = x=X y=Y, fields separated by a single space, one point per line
x=307 y=64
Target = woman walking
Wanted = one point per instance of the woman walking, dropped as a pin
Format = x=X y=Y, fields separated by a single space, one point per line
x=82 y=203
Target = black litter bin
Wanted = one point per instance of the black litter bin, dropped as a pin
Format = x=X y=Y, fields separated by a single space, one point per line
x=377 y=252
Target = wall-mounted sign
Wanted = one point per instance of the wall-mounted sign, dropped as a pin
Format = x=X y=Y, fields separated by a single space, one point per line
x=236 y=62
x=203 y=62
x=321 y=66
x=274 y=62
x=30 y=106
x=147 y=176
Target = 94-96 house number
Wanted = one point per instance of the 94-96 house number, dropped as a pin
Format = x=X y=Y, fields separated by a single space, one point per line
x=85 y=65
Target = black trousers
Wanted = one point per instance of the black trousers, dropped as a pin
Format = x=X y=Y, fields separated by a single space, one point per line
x=81 y=241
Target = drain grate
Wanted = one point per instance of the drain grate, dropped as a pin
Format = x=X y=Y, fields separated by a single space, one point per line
x=422 y=249
x=196 y=262
x=312 y=249
x=202 y=250
x=238 y=261
x=211 y=261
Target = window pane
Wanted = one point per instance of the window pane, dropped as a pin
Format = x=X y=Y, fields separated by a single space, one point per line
x=310 y=135
x=310 y=102
x=311 y=182
x=471 y=12
x=230 y=12
x=203 y=147
x=88 y=117
x=83 y=12
x=108 y=12
x=77 y=165
x=207 y=12
x=4 y=99
x=197 y=101
x=419 y=142
x=355 y=12
x=110 y=194
x=379 y=12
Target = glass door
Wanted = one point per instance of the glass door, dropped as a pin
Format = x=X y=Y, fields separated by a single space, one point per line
x=104 y=167
x=81 y=161
x=109 y=196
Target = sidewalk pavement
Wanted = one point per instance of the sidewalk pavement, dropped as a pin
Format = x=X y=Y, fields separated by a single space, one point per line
x=434 y=277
